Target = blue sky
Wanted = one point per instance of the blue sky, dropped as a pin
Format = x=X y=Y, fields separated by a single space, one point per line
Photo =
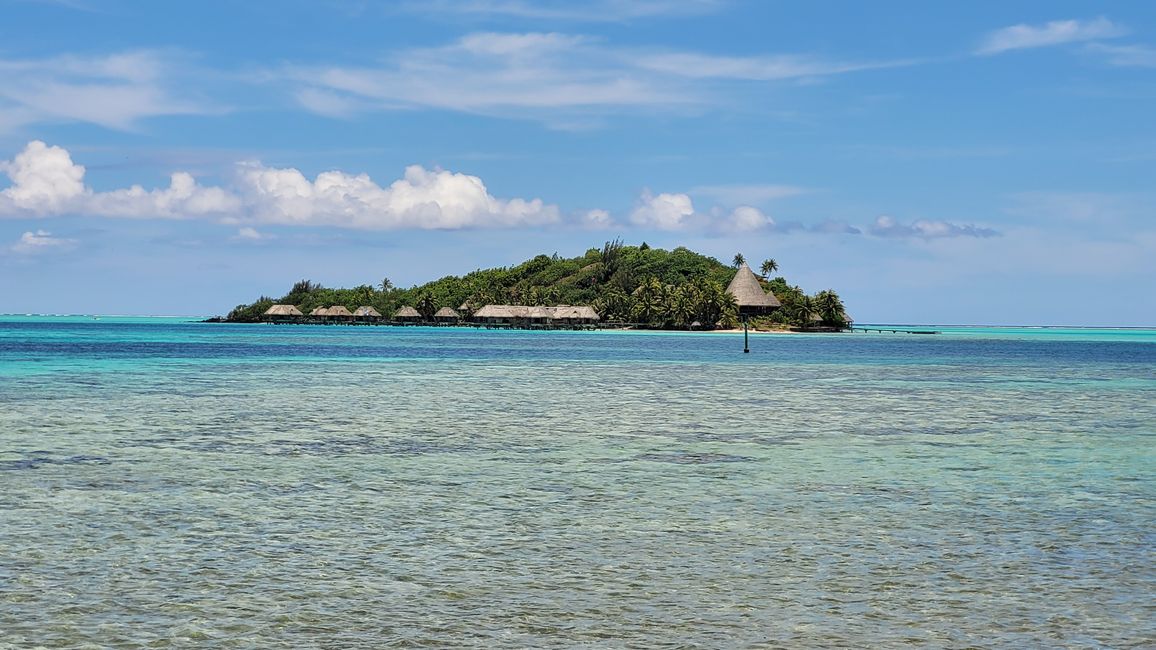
x=931 y=162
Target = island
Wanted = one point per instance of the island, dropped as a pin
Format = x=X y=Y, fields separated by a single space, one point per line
x=616 y=286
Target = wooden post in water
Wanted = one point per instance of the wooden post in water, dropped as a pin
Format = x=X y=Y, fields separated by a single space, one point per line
x=746 y=338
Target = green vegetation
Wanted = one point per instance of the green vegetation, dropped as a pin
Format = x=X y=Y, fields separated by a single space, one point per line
x=651 y=287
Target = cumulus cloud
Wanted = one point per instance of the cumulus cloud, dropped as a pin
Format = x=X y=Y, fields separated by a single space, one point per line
x=41 y=241
x=886 y=226
x=432 y=199
x=663 y=211
x=115 y=90
x=597 y=219
x=46 y=182
x=44 y=179
x=1056 y=32
x=747 y=219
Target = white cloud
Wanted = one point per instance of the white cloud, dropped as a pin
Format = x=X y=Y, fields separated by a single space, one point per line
x=559 y=78
x=114 y=91
x=1057 y=32
x=428 y=199
x=251 y=234
x=45 y=182
x=41 y=241
x=1136 y=56
x=44 y=179
x=589 y=11
x=597 y=219
x=886 y=226
x=747 y=194
x=747 y=219
x=752 y=68
x=663 y=211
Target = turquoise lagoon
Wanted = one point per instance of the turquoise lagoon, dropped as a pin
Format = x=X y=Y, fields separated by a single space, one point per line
x=165 y=483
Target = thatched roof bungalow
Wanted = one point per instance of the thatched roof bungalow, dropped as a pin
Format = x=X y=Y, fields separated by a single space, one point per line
x=407 y=314
x=574 y=315
x=446 y=315
x=749 y=294
x=319 y=311
x=282 y=312
x=339 y=312
x=366 y=313
x=535 y=315
x=499 y=314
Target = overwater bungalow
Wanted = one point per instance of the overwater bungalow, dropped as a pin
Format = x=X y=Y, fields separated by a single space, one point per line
x=339 y=312
x=320 y=311
x=447 y=315
x=282 y=313
x=407 y=314
x=366 y=314
x=574 y=315
x=749 y=294
x=524 y=315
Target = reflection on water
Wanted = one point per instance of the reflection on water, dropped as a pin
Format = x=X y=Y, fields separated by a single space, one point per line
x=172 y=485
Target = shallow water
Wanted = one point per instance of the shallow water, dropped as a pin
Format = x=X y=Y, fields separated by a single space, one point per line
x=173 y=484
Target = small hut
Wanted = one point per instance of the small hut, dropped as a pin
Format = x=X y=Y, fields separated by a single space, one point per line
x=321 y=312
x=339 y=312
x=281 y=313
x=407 y=314
x=749 y=294
x=446 y=315
x=366 y=314
x=574 y=315
x=496 y=315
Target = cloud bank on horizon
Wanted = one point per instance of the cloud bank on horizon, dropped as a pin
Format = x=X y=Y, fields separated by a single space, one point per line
x=45 y=182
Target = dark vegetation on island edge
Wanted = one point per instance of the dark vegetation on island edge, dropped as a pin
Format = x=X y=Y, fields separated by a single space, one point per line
x=627 y=286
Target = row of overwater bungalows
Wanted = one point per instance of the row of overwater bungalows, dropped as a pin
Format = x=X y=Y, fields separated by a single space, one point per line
x=507 y=315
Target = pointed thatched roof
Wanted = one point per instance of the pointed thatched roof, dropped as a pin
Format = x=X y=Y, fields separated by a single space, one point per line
x=407 y=312
x=339 y=310
x=749 y=293
x=446 y=312
x=367 y=311
x=283 y=310
x=319 y=311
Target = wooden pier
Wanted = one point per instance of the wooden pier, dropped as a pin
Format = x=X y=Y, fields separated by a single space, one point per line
x=892 y=330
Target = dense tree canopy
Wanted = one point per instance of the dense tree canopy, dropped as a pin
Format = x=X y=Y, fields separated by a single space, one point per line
x=648 y=286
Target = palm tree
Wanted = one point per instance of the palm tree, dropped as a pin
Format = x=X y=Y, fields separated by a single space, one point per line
x=425 y=306
x=739 y=260
x=386 y=285
x=804 y=308
x=364 y=293
x=648 y=305
x=830 y=308
x=769 y=266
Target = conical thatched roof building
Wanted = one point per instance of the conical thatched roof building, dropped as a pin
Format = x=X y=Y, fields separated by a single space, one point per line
x=407 y=313
x=283 y=310
x=445 y=314
x=319 y=311
x=364 y=311
x=749 y=293
x=338 y=311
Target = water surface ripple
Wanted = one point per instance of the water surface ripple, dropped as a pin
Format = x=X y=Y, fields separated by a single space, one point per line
x=170 y=484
